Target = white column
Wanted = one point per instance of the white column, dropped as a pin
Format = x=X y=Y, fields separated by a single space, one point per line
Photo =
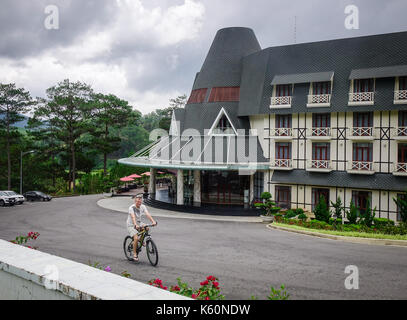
x=197 y=188
x=152 y=183
x=180 y=187
x=251 y=192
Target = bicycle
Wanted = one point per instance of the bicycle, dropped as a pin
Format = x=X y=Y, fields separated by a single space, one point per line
x=144 y=237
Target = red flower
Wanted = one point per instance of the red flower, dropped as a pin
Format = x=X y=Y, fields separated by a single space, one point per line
x=194 y=296
x=207 y=298
x=204 y=283
x=216 y=284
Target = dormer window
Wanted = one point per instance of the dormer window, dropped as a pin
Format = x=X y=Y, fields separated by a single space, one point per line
x=362 y=92
x=320 y=94
x=282 y=96
x=400 y=95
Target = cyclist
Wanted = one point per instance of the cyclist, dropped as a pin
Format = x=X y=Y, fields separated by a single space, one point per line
x=136 y=211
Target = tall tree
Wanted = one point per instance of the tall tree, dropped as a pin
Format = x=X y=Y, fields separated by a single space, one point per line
x=68 y=110
x=13 y=103
x=109 y=112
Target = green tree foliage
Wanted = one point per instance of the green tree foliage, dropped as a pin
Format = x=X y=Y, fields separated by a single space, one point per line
x=109 y=112
x=67 y=109
x=337 y=208
x=268 y=205
x=13 y=102
x=321 y=210
x=353 y=213
x=367 y=217
x=401 y=203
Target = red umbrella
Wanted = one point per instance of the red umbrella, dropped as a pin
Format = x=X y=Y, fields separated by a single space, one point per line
x=126 y=179
x=147 y=174
x=134 y=176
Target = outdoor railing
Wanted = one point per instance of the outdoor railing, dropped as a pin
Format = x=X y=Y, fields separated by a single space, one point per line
x=402 y=131
x=362 y=166
x=361 y=97
x=401 y=167
x=281 y=163
x=281 y=132
x=400 y=95
x=281 y=101
x=319 y=98
x=319 y=164
x=362 y=132
x=321 y=132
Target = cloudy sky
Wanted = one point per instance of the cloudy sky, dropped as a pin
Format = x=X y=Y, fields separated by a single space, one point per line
x=148 y=51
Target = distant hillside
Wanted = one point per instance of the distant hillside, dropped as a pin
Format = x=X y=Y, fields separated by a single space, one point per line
x=20 y=124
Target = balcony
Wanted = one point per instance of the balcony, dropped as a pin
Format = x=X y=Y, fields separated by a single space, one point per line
x=281 y=133
x=321 y=133
x=401 y=134
x=319 y=100
x=319 y=166
x=400 y=170
x=361 y=167
x=361 y=98
x=281 y=164
x=362 y=134
x=400 y=97
x=281 y=102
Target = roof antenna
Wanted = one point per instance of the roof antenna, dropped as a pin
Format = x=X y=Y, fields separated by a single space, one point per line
x=295 y=29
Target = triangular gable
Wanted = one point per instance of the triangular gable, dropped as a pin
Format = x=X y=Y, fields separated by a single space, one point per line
x=174 y=125
x=223 y=125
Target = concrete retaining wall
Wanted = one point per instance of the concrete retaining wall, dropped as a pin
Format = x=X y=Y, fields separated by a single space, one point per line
x=33 y=275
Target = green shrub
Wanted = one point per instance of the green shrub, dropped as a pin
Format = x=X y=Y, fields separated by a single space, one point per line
x=316 y=224
x=382 y=222
x=302 y=217
x=321 y=210
x=333 y=221
x=367 y=217
x=290 y=214
x=299 y=211
x=338 y=208
x=353 y=213
x=402 y=207
x=268 y=205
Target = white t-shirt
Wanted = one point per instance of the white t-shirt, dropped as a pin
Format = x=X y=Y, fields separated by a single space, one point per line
x=137 y=212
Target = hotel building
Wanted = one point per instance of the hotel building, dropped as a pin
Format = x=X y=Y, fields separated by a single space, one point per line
x=300 y=121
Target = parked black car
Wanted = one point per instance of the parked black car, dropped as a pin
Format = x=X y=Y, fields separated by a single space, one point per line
x=37 y=196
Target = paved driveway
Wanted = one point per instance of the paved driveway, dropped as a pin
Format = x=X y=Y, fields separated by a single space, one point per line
x=247 y=257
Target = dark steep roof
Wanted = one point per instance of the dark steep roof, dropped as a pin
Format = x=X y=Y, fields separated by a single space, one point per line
x=223 y=64
x=341 y=56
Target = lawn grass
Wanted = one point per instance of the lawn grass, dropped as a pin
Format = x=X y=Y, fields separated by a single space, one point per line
x=346 y=233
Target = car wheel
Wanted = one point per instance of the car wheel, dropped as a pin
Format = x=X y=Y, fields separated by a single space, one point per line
x=2 y=203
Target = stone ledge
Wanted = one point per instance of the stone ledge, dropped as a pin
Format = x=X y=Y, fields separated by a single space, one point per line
x=73 y=280
x=371 y=241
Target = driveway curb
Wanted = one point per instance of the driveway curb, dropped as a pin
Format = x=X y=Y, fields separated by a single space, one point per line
x=381 y=242
x=177 y=215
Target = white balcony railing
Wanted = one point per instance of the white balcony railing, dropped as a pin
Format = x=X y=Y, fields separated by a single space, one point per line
x=400 y=96
x=402 y=131
x=362 y=132
x=282 y=163
x=361 y=98
x=401 y=167
x=321 y=132
x=362 y=166
x=320 y=164
x=315 y=99
x=281 y=132
x=284 y=101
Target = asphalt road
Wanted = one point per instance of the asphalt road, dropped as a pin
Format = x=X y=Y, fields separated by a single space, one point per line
x=248 y=258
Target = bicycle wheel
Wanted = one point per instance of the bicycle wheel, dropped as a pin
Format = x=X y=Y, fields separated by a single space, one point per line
x=152 y=252
x=128 y=248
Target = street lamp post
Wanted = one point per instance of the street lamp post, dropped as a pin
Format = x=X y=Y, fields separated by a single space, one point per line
x=21 y=168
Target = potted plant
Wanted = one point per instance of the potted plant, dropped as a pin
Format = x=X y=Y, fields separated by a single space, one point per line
x=268 y=206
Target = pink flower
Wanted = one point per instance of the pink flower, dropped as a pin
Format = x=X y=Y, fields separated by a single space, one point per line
x=108 y=269
x=194 y=296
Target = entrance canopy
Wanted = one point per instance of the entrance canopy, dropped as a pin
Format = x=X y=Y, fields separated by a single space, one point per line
x=211 y=152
